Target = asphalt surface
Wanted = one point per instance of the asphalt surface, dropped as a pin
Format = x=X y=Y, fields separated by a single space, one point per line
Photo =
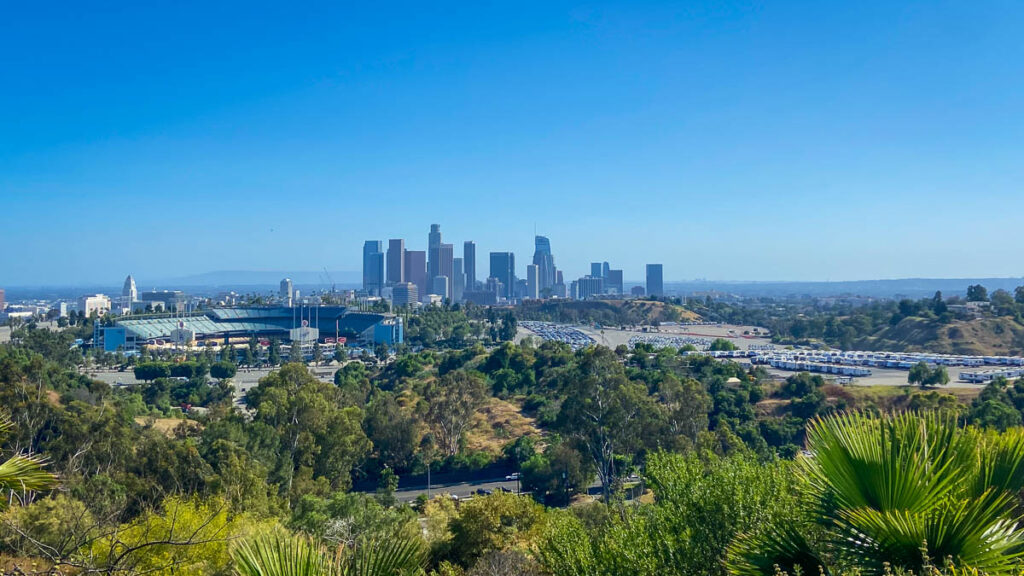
x=459 y=489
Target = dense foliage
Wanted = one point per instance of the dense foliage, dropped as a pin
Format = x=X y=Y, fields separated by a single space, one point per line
x=669 y=464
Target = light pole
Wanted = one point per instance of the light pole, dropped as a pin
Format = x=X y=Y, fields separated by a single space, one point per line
x=427 y=449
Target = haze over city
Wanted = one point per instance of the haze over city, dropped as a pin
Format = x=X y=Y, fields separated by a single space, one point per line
x=790 y=141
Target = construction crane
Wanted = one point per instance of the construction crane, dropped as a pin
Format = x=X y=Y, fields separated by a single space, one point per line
x=329 y=279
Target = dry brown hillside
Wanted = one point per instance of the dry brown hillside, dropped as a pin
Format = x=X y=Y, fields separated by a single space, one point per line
x=982 y=336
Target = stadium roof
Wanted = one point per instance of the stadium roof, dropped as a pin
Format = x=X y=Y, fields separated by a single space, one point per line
x=254 y=321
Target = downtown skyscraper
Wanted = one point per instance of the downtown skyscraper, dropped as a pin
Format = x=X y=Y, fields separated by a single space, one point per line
x=469 y=262
x=396 y=261
x=503 y=269
x=545 y=263
x=373 y=267
x=655 y=280
x=434 y=252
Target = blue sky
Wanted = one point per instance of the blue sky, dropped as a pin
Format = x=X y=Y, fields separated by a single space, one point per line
x=731 y=141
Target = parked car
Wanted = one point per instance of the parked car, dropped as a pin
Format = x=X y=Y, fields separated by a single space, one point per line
x=512 y=476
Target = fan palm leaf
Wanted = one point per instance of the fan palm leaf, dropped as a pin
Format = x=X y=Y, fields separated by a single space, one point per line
x=276 y=555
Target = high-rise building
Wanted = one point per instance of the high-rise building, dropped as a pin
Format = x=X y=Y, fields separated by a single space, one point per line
x=285 y=291
x=605 y=268
x=434 y=251
x=655 y=280
x=416 y=270
x=3 y=299
x=373 y=267
x=445 y=266
x=503 y=268
x=469 y=262
x=545 y=263
x=458 y=280
x=440 y=286
x=613 y=282
x=396 y=261
x=533 y=281
x=404 y=294
x=588 y=286
x=129 y=293
x=94 y=303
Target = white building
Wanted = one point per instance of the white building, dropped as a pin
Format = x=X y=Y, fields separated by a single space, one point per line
x=98 y=303
x=286 y=292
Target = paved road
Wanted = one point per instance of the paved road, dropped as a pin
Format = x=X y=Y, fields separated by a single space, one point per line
x=460 y=489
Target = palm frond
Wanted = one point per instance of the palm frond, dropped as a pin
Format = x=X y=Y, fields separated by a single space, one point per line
x=783 y=548
x=904 y=462
x=24 y=473
x=394 y=557
x=277 y=555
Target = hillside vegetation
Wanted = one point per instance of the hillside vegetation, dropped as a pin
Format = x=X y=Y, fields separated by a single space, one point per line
x=981 y=324
x=981 y=336
x=608 y=312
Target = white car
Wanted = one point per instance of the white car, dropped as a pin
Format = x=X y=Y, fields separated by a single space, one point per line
x=512 y=476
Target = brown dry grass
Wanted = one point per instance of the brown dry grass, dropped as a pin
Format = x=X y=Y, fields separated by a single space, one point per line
x=166 y=426
x=498 y=423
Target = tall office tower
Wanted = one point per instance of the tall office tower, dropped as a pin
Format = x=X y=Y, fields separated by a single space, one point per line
x=405 y=294
x=445 y=268
x=416 y=270
x=503 y=268
x=596 y=270
x=458 y=280
x=559 y=279
x=396 y=261
x=434 y=251
x=129 y=293
x=286 y=291
x=613 y=282
x=469 y=261
x=589 y=286
x=3 y=299
x=605 y=268
x=373 y=267
x=545 y=263
x=655 y=281
x=533 y=281
x=439 y=286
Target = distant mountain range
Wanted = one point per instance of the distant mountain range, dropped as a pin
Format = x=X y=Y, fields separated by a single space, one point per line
x=904 y=287
x=233 y=278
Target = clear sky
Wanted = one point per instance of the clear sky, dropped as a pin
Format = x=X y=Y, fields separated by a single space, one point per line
x=731 y=141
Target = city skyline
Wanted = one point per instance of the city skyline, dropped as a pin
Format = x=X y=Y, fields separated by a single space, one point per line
x=732 y=142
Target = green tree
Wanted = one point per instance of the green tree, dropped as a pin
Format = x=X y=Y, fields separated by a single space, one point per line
x=274 y=352
x=150 y=371
x=452 y=400
x=603 y=411
x=223 y=370
x=392 y=429
x=315 y=431
x=977 y=293
x=722 y=345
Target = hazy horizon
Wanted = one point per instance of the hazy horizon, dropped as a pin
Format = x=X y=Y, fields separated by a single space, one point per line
x=782 y=142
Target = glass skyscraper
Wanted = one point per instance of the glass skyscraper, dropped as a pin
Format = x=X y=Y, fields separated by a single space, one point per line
x=503 y=269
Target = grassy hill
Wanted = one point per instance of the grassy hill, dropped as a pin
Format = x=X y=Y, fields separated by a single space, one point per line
x=982 y=336
x=609 y=312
